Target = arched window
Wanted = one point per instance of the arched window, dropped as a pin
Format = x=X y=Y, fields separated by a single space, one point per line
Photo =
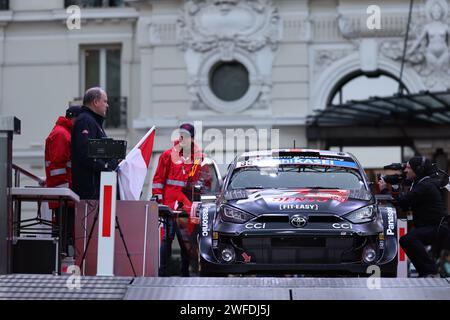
x=361 y=85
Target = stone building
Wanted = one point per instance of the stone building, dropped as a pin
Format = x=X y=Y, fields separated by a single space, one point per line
x=254 y=65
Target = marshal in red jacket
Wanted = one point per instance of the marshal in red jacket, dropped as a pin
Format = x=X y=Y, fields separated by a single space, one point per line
x=58 y=164
x=174 y=173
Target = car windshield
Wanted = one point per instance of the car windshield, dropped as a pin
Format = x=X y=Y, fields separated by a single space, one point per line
x=296 y=176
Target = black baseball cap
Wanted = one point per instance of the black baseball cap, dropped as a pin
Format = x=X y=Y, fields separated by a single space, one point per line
x=73 y=111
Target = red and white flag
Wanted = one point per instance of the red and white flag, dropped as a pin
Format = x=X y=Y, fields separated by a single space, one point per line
x=133 y=170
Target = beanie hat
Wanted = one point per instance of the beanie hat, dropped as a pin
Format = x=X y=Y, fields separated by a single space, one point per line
x=420 y=165
x=73 y=111
x=187 y=128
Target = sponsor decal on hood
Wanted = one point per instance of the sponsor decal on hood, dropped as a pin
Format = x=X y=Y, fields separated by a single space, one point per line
x=313 y=195
x=299 y=197
x=299 y=206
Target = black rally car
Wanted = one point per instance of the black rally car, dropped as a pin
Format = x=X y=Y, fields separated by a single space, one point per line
x=296 y=211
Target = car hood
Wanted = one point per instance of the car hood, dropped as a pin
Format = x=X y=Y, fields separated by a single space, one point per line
x=295 y=201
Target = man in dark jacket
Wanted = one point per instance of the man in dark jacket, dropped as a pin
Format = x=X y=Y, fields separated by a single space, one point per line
x=86 y=171
x=427 y=205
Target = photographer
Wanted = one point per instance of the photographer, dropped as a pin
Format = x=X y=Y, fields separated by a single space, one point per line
x=424 y=198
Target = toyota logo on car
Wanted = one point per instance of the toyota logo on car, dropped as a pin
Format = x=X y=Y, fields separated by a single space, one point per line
x=298 y=221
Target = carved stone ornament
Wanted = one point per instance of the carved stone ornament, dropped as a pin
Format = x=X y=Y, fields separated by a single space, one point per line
x=325 y=57
x=214 y=31
x=428 y=47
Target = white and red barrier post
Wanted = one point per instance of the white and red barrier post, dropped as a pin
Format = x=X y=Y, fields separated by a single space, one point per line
x=107 y=224
x=402 y=267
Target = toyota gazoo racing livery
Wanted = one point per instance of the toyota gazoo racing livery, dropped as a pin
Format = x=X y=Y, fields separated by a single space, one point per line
x=297 y=212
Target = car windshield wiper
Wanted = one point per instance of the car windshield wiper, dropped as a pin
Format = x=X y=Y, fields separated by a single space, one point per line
x=246 y=188
x=334 y=188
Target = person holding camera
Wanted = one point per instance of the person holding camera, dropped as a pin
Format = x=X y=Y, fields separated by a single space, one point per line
x=425 y=200
x=178 y=169
x=89 y=125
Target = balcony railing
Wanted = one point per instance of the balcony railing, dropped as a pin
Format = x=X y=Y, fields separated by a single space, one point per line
x=4 y=4
x=94 y=3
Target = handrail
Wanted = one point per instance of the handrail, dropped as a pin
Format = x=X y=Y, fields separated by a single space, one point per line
x=19 y=170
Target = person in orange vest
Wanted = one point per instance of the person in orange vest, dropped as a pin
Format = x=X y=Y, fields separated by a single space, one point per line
x=177 y=171
x=58 y=166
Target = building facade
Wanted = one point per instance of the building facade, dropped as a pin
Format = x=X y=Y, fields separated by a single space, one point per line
x=253 y=65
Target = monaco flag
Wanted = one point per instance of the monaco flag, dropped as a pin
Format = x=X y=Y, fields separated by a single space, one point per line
x=133 y=170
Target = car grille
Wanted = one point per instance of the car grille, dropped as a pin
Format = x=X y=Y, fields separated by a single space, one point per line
x=265 y=218
x=317 y=218
x=298 y=250
x=324 y=219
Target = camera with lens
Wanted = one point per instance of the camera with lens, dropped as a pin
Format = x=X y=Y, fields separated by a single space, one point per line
x=397 y=178
x=400 y=178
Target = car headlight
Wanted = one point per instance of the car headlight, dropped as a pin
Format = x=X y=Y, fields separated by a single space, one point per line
x=362 y=215
x=229 y=214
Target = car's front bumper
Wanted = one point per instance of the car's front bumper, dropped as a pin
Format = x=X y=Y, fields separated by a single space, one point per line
x=289 y=254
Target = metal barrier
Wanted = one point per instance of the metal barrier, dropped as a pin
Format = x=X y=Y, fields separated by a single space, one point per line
x=18 y=171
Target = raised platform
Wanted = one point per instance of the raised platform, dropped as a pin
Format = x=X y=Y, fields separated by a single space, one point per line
x=21 y=286
x=48 y=287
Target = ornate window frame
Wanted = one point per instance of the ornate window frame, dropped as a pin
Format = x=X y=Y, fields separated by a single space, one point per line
x=208 y=96
x=206 y=42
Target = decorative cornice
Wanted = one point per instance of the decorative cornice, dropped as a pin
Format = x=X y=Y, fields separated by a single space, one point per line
x=5 y=18
x=355 y=26
x=94 y=14
x=296 y=27
x=222 y=121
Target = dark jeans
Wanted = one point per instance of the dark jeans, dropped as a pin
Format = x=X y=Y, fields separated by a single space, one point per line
x=414 y=243
x=166 y=249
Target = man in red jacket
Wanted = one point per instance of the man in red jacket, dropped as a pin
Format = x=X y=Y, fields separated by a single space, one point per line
x=58 y=162
x=177 y=171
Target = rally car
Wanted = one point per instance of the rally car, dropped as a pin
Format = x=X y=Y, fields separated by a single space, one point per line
x=297 y=211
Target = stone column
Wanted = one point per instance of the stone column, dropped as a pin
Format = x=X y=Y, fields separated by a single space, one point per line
x=2 y=62
x=146 y=55
x=146 y=66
